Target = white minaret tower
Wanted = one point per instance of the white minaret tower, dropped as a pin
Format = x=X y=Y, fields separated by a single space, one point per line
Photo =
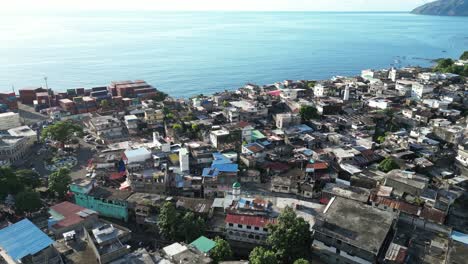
x=346 y=93
x=236 y=191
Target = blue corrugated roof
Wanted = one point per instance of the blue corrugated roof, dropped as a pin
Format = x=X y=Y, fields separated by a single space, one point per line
x=209 y=172
x=22 y=239
x=225 y=167
x=219 y=158
x=460 y=237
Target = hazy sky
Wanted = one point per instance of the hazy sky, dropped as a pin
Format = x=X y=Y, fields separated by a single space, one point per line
x=260 y=5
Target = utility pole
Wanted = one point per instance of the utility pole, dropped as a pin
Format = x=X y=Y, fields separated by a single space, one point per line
x=48 y=91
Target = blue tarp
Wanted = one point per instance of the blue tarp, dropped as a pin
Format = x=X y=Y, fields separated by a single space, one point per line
x=22 y=239
x=460 y=237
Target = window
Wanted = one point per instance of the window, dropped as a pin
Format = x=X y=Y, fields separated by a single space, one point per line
x=249 y=227
x=265 y=229
x=231 y=224
x=239 y=226
x=256 y=228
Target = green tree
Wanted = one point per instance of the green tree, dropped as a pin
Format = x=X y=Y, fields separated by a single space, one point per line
x=28 y=201
x=388 y=164
x=222 y=250
x=290 y=237
x=225 y=103
x=61 y=131
x=301 y=261
x=195 y=128
x=28 y=178
x=443 y=65
x=464 y=56
x=167 y=222
x=9 y=182
x=59 y=181
x=260 y=255
x=311 y=84
x=104 y=104
x=308 y=112
x=177 y=127
x=160 y=96
x=169 y=116
x=191 y=227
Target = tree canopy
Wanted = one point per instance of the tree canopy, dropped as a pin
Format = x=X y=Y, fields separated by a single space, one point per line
x=222 y=250
x=9 y=182
x=28 y=178
x=28 y=201
x=290 y=237
x=301 y=261
x=191 y=227
x=159 y=96
x=449 y=66
x=167 y=221
x=260 y=255
x=59 y=181
x=388 y=164
x=61 y=131
x=464 y=56
x=308 y=112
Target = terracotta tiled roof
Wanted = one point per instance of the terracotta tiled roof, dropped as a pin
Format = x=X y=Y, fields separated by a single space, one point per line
x=433 y=215
x=318 y=166
x=69 y=212
x=250 y=220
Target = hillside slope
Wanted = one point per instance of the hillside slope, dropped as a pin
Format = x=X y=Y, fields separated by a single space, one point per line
x=443 y=8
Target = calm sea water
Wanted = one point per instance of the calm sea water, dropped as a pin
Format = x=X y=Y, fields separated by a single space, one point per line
x=186 y=53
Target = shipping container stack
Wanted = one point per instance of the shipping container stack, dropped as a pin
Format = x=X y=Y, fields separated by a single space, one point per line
x=42 y=101
x=28 y=95
x=80 y=105
x=100 y=93
x=68 y=105
x=9 y=101
x=132 y=89
x=91 y=105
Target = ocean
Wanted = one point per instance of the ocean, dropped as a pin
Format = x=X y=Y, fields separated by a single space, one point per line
x=189 y=53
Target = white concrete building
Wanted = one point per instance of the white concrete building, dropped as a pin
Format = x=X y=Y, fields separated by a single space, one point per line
x=24 y=131
x=9 y=120
x=380 y=103
x=418 y=90
x=247 y=228
x=184 y=160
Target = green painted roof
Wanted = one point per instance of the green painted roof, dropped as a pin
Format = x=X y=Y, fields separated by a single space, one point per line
x=256 y=134
x=203 y=244
x=236 y=185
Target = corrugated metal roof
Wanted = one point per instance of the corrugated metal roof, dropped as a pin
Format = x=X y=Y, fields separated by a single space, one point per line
x=203 y=244
x=22 y=239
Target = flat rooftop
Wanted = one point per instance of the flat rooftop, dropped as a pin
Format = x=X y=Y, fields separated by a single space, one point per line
x=358 y=224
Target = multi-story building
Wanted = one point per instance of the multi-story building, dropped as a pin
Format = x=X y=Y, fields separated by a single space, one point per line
x=106 y=201
x=24 y=131
x=350 y=233
x=154 y=117
x=132 y=122
x=105 y=127
x=13 y=148
x=418 y=90
x=287 y=119
x=248 y=228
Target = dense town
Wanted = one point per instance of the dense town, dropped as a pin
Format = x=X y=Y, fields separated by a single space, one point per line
x=365 y=169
